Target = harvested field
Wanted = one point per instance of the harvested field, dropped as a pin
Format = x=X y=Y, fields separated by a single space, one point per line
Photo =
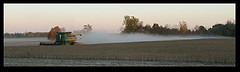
x=102 y=62
x=204 y=51
x=24 y=41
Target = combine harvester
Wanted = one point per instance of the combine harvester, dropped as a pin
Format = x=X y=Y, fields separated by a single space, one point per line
x=63 y=38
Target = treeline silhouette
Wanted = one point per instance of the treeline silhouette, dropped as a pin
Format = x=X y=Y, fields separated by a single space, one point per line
x=134 y=25
x=50 y=35
x=26 y=35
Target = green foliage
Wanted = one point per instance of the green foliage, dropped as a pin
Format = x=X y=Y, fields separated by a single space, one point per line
x=147 y=28
x=201 y=30
x=225 y=30
x=155 y=28
x=129 y=26
x=132 y=25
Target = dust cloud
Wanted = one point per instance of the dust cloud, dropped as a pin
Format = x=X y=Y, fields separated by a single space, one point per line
x=101 y=37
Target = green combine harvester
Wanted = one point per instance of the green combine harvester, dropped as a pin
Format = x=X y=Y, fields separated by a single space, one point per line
x=63 y=38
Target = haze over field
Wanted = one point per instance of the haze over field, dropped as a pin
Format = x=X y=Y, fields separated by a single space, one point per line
x=109 y=17
x=101 y=37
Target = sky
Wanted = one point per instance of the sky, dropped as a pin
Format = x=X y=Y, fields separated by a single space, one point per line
x=109 y=17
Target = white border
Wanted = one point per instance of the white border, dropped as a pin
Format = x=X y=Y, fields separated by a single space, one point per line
x=106 y=4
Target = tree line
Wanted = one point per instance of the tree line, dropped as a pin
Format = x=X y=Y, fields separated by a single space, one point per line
x=50 y=35
x=134 y=25
x=26 y=35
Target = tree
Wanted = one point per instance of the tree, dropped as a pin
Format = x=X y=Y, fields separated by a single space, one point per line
x=131 y=24
x=230 y=28
x=217 y=29
x=174 y=31
x=155 y=28
x=229 y=22
x=201 y=30
x=161 y=30
x=29 y=34
x=38 y=34
x=167 y=26
x=7 y=35
x=147 y=28
x=20 y=35
x=225 y=30
x=53 y=32
x=196 y=28
x=87 y=28
x=183 y=27
x=140 y=27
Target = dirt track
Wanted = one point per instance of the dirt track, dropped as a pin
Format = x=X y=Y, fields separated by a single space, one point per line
x=213 y=51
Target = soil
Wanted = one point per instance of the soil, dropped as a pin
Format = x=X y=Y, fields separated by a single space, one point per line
x=198 y=52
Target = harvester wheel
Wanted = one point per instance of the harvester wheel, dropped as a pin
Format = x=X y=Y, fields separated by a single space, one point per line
x=74 y=43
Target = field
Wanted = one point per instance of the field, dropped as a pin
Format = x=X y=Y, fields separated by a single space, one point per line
x=24 y=41
x=215 y=51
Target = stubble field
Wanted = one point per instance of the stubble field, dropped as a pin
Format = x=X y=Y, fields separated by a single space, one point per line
x=218 y=51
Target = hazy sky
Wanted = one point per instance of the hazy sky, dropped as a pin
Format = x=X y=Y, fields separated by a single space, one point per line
x=109 y=17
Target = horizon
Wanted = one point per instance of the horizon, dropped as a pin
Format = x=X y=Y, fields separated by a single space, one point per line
x=19 y=18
